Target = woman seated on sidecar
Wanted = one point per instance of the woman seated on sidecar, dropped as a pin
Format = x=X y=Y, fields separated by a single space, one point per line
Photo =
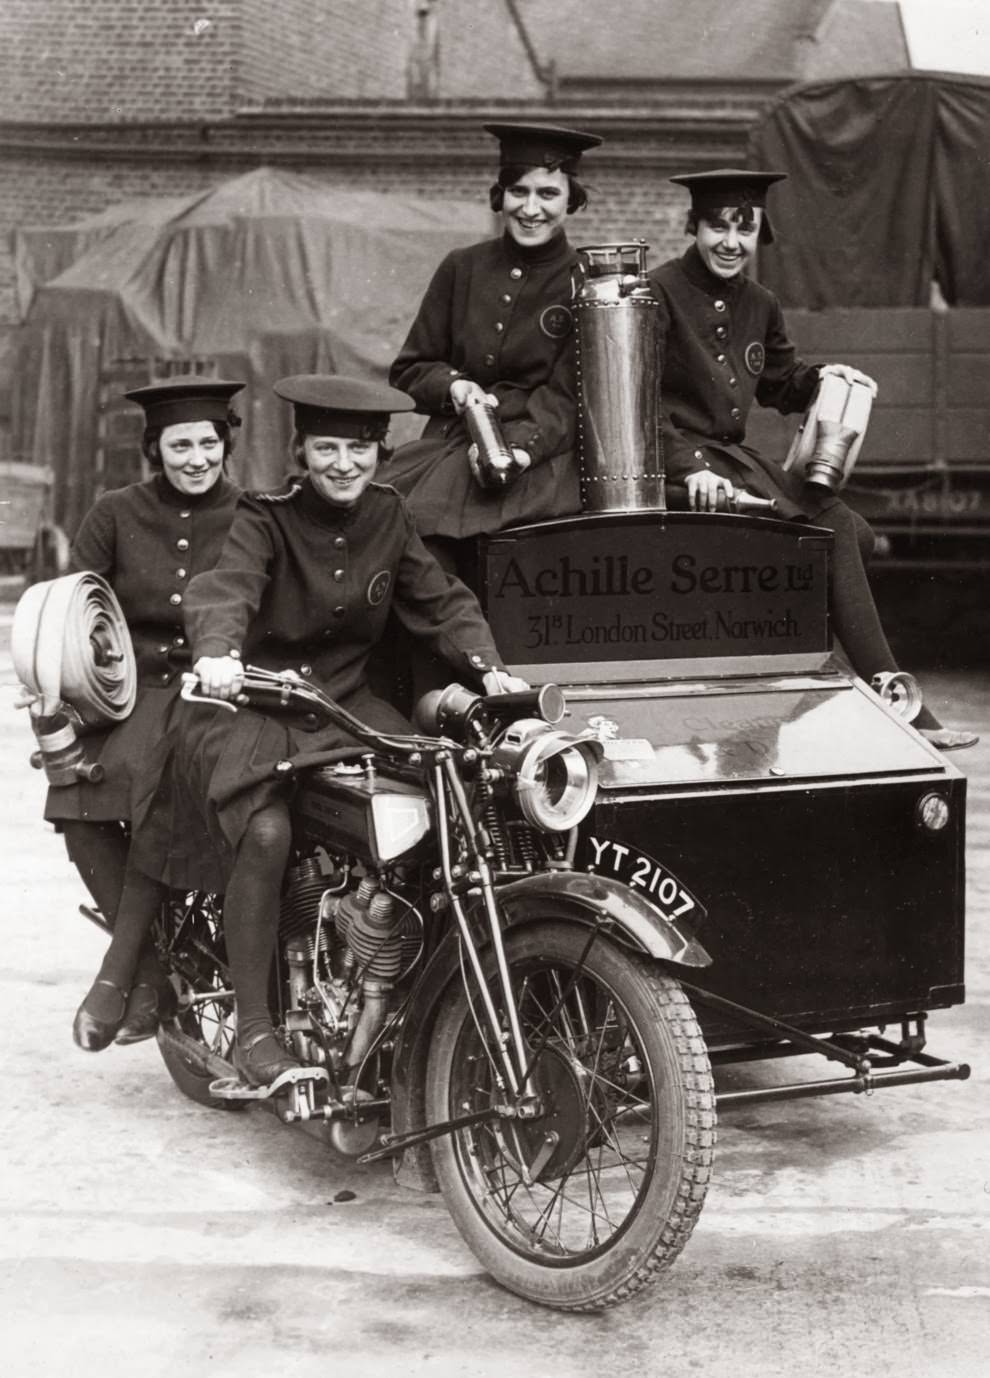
x=495 y=327
x=725 y=345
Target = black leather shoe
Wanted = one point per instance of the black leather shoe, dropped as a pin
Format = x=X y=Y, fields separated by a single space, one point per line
x=949 y=738
x=94 y=1034
x=147 y=1006
x=262 y=1058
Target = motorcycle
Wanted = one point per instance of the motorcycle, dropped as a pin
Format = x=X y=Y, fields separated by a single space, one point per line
x=463 y=1000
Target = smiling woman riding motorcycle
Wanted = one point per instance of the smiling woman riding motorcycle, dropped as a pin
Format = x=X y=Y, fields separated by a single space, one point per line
x=147 y=540
x=306 y=581
x=495 y=324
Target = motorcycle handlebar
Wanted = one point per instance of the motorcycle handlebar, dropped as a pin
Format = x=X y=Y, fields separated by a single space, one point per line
x=268 y=689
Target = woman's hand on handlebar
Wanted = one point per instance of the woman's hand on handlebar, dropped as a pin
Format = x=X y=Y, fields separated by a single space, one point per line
x=463 y=391
x=501 y=682
x=704 y=489
x=220 y=677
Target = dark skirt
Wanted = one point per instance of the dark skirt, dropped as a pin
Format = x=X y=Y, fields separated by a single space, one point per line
x=219 y=774
x=767 y=479
x=434 y=477
x=132 y=754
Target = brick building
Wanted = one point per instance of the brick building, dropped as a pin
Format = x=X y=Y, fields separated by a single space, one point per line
x=106 y=100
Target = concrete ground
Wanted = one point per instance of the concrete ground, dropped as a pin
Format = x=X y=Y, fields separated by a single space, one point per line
x=142 y=1235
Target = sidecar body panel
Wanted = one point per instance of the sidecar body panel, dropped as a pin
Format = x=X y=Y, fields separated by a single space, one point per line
x=743 y=755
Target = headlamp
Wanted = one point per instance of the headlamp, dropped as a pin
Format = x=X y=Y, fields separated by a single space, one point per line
x=900 y=691
x=553 y=775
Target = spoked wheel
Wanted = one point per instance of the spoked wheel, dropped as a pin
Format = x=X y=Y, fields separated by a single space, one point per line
x=583 y=1207
x=191 y=942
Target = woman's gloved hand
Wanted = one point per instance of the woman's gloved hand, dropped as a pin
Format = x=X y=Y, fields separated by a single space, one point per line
x=851 y=375
x=501 y=682
x=703 y=489
x=220 y=677
x=463 y=391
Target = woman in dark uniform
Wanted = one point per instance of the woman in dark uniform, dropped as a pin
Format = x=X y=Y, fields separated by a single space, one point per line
x=725 y=347
x=496 y=322
x=306 y=581
x=147 y=540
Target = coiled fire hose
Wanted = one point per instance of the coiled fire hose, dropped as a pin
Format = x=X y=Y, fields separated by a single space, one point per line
x=72 y=653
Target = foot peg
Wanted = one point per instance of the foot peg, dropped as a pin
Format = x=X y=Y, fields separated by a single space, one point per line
x=298 y=1086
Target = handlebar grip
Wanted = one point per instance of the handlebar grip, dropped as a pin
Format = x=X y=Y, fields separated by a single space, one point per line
x=546 y=702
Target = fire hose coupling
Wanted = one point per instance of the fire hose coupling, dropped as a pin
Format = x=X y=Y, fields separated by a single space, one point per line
x=60 y=753
x=72 y=653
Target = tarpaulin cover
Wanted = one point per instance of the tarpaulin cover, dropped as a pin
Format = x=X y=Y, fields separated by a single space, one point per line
x=266 y=275
x=886 y=191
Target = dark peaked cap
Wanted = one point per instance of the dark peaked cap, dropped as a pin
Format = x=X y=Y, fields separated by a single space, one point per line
x=330 y=404
x=540 y=145
x=188 y=397
x=730 y=186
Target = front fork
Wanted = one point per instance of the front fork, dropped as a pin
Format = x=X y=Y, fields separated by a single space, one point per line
x=513 y=1069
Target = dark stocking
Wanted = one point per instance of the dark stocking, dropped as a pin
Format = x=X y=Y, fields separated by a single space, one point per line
x=130 y=958
x=857 y=622
x=250 y=914
x=99 y=853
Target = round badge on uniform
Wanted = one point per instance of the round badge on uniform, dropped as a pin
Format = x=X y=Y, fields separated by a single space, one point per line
x=379 y=587
x=756 y=357
x=556 y=321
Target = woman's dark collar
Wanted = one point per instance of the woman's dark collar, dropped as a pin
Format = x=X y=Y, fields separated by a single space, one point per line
x=526 y=256
x=171 y=496
x=321 y=511
x=696 y=273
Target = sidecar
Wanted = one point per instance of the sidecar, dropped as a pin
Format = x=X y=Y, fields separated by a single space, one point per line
x=751 y=783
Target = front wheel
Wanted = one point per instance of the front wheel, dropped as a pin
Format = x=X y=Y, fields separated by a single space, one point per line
x=586 y=1205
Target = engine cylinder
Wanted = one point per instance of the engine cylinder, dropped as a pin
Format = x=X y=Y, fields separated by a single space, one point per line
x=366 y=920
x=618 y=366
x=300 y=903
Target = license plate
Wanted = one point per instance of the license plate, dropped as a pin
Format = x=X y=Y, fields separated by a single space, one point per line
x=657 y=882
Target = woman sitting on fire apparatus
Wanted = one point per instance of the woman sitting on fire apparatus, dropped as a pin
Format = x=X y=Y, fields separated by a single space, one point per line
x=495 y=325
x=726 y=345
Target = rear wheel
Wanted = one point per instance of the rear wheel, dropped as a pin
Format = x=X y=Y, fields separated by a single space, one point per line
x=583 y=1207
x=191 y=942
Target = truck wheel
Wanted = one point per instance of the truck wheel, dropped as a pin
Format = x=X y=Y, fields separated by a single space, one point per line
x=584 y=1206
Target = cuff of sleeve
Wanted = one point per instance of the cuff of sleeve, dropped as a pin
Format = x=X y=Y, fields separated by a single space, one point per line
x=213 y=647
x=482 y=661
x=524 y=438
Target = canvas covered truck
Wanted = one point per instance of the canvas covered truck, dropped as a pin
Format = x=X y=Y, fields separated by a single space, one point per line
x=880 y=262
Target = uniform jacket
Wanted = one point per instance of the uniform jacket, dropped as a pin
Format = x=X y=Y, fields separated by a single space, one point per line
x=725 y=347
x=304 y=585
x=500 y=315
x=148 y=541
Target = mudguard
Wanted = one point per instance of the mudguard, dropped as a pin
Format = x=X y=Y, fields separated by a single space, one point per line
x=626 y=917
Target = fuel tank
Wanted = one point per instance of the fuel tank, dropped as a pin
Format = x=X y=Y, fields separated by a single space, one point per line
x=358 y=809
